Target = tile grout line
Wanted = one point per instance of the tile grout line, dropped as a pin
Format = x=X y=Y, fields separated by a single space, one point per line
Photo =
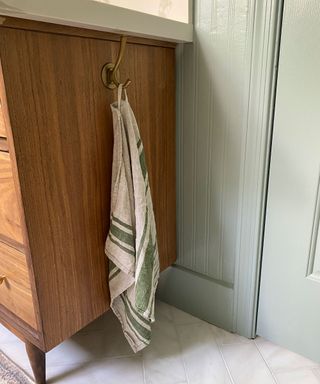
x=266 y=363
x=85 y=361
x=144 y=371
x=224 y=361
x=117 y=357
x=180 y=347
x=316 y=372
x=306 y=368
x=237 y=343
x=222 y=356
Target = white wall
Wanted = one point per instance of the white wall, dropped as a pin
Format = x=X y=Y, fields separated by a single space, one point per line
x=220 y=158
x=170 y=9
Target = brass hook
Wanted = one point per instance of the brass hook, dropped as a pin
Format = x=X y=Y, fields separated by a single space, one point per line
x=110 y=71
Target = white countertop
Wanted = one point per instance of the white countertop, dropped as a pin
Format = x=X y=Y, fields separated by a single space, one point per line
x=99 y=16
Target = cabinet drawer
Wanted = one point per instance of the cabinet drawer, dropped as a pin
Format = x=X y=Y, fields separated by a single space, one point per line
x=10 y=219
x=15 y=289
x=4 y=144
x=2 y=126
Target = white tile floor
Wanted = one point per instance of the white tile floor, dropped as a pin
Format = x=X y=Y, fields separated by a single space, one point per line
x=184 y=350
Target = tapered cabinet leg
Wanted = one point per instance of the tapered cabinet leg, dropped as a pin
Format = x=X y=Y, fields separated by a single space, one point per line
x=37 y=360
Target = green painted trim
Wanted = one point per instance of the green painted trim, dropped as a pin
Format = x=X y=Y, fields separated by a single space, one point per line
x=197 y=295
x=254 y=172
x=206 y=277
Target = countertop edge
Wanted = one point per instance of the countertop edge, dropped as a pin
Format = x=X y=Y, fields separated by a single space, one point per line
x=103 y=17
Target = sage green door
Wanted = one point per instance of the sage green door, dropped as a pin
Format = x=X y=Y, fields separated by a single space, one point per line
x=289 y=305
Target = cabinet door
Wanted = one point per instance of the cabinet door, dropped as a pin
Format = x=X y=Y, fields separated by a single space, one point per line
x=63 y=137
x=289 y=310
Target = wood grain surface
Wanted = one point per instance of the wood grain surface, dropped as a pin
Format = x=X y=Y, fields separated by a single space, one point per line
x=62 y=131
x=4 y=145
x=10 y=220
x=2 y=125
x=15 y=291
x=10 y=320
x=20 y=328
x=37 y=360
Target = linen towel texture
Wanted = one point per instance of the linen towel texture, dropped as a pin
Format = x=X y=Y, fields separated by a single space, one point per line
x=131 y=244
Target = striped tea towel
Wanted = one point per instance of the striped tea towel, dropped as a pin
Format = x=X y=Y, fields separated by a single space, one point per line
x=131 y=245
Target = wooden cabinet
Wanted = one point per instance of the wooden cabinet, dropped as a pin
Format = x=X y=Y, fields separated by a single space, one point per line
x=3 y=133
x=15 y=292
x=10 y=219
x=55 y=171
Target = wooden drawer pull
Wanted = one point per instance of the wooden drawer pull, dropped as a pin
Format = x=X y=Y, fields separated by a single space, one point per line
x=2 y=279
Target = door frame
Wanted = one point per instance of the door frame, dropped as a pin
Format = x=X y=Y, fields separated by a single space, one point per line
x=234 y=306
x=266 y=27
